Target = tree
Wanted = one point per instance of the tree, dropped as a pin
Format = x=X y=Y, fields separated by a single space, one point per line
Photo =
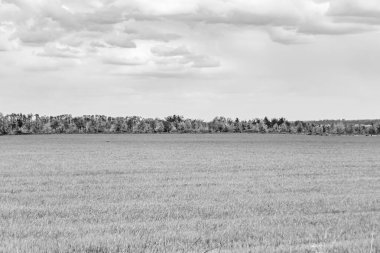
x=267 y=123
x=159 y=126
x=22 y=123
x=54 y=125
x=338 y=128
x=3 y=125
x=299 y=127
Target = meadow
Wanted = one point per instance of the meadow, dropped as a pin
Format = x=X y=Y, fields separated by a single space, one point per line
x=189 y=193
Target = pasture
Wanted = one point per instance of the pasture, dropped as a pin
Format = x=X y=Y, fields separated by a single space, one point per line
x=189 y=193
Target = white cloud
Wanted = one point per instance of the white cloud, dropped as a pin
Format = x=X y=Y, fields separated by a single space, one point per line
x=121 y=40
x=288 y=36
x=43 y=21
x=98 y=44
x=355 y=11
x=181 y=55
x=218 y=47
x=8 y=11
x=164 y=37
x=61 y=51
x=6 y=42
x=38 y=31
x=166 y=51
x=74 y=29
x=119 y=60
x=368 y=8
x=47 y=64
x=202 y=61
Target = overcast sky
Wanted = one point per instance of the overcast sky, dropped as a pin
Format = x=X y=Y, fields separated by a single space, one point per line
x=302 y=59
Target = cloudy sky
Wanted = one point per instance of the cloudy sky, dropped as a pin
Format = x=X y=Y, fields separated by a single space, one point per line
x=302 y=59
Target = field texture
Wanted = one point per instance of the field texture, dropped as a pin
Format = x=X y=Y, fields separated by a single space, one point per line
x=189 y=193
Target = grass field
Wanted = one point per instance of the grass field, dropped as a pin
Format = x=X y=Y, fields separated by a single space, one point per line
x=189 y=193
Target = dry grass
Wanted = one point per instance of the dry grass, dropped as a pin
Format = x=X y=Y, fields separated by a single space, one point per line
x=189 y=193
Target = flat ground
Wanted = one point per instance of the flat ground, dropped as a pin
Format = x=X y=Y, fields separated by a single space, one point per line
x=189 y=193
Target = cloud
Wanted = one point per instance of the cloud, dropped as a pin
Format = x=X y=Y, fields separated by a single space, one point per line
x=8 y=11
x=164 y=37
x=207 y=46
x=167 y=51
x=368 y=8
x=4 y=46
x=147 y=31
x=44 y=21
x=122 y=41
x=35 y=37
x=108 y=15
x=61 y=51
x=235 y=12
x=170 y=31
x=301 y=16
x=328 y=28
x=168 y=74
x=124 y=61
x=6 y=42
x=181 y=55
x=288 y=36
x=202 y=61
x=355 y=11
x=42 y=67
x=98 y=44
x=38 y=31
x=282 y=18
x=47 y=64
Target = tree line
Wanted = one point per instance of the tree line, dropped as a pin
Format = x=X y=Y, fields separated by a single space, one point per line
x=12 y=124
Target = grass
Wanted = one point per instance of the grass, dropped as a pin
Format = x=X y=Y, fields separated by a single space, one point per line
x=189 y=193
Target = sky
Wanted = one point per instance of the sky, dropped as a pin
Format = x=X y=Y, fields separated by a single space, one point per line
x=299 y=59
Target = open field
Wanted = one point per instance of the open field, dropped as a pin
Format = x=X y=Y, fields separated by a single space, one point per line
x=189 y=193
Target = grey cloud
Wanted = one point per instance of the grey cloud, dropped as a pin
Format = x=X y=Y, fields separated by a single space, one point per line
x=182 y=56
x=165 y=75
x=169 y=61
x=55 y=11
x=168 y=51
x=36 y=37
x=100 y=44
x=122 y=24
x=9 y=11
x=204 y=62
x=38 y=31
x=354 y=11
x=164 y=37
x=358 y=20
x=240 y=17
x=123 y=61
x=7 y=43
x=44 y=65
x=328 y=28
x=306 y=17
x=347 y=19
x=130 y=30
x=121 y=41
x=368 y=8
x=108 y=16
x=3 y=45
x=144 y=31
x=73 y=41
x=39 y=68
x=172 y=62
x=111 y=15
x=61 y=51
x=51 y=10
x=288 y=36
